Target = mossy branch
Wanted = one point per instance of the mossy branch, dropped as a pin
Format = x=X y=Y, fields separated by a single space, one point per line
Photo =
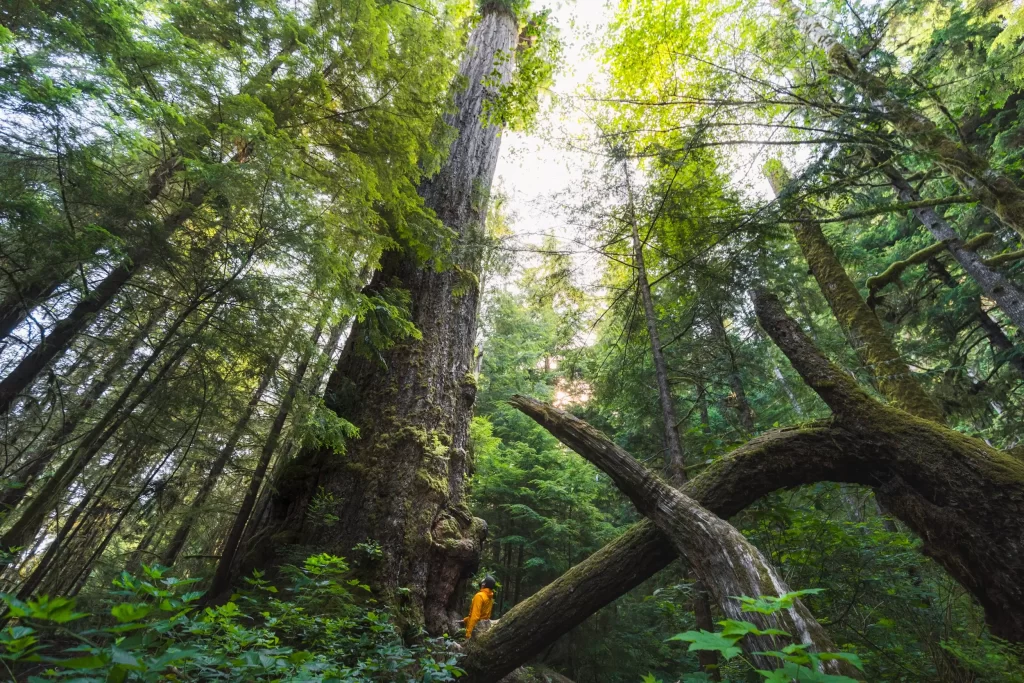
x=977 y=242
x=892 y=274
x=1004 y=259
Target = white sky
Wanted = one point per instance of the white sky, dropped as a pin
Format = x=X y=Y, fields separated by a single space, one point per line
x=535 y=167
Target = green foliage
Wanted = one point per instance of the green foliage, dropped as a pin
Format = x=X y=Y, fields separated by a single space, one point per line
x=322 y=627
x=325 y=429
x=797 y=662
x=537 y=56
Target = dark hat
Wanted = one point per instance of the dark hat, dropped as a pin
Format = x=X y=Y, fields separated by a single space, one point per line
x=489 y=582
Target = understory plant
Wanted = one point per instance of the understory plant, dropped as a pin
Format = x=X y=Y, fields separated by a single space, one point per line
x=796 y=661
x=322 y=625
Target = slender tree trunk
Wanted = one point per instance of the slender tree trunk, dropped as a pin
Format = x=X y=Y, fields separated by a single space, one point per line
x=1007 y=295
x=1002 y=347
x=721 y=557
x=170 y=554
x=402 y=483
x=85 y=567
x=44 y=500
x=859 y=322
x=675 y=463
x=222 y=578
x=996 y=191
x=743 y=409
x=789 y=390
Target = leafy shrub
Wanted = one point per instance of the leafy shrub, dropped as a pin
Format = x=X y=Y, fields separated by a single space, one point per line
x=323 y=627
x=796 y=662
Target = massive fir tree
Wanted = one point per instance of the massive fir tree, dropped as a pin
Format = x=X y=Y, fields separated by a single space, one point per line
x=401 y=485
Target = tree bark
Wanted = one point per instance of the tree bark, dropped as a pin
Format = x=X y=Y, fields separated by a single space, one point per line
x=968 y=510
x=862 y=327
x=1007 y=295
x=402 y=483
x=996 y=191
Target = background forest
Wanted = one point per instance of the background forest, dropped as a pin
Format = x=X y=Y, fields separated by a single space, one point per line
x=198 y=199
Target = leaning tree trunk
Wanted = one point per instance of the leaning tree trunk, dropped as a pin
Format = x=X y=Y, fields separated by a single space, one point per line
x=222 y=577
x=37 y=462
x=858 y=321
x=721 y=557
x=995 y=190
x=64 y=332
x=402 y=483
x=34 y=512
x=170 y=554
x=1002 y=347
x=1007 y=295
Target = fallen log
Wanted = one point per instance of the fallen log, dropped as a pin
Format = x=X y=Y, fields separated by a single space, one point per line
x=721 y=557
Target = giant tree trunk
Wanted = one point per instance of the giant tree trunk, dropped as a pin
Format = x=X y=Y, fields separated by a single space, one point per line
x=964 y=499
x=402 y=483
x=721 y=557
x=857 y=320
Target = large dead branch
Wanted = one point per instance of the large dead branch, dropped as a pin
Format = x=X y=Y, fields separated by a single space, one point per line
x=721 y=557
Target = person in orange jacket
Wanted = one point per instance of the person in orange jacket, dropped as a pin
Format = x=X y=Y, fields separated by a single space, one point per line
x=483 y=603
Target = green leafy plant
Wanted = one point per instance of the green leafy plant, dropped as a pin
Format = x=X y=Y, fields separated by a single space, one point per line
x=324 y=626
x=797 y=663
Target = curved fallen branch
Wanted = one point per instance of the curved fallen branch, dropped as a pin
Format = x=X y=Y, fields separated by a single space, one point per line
x=965 y=500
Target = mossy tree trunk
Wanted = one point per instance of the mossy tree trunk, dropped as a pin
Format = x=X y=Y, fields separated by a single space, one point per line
x=857 y=320
x=401 y=484
x=964 y=499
